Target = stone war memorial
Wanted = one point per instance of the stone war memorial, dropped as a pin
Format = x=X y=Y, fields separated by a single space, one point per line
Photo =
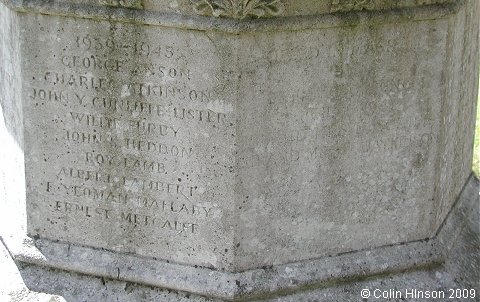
x=239 y=150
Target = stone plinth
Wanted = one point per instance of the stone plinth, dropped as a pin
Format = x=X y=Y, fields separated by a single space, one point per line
x=215 y=141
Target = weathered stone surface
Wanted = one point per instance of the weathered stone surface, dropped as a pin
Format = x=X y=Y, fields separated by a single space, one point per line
x=143 y=135
x=13 y=287
x=232 y=9
x=340 y=278
x=150 y=136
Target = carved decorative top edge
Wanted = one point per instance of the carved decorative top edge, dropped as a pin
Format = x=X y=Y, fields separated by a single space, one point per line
x=122 y=3
x=348 y=5
x=238 y=9
x=358 y=5
x=243 y=9
x=224 y=9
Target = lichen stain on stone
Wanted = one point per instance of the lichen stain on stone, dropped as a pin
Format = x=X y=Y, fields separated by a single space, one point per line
x=137 y=4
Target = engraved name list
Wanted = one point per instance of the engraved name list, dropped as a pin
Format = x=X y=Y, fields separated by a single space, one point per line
x=121 y=137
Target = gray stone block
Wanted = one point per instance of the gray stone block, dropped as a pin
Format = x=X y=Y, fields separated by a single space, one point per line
x=444 y=265
x=277 y=146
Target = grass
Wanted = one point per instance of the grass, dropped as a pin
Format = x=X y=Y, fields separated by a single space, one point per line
x=476 y=145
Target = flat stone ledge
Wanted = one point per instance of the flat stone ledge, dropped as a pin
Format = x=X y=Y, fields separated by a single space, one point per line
x=13 y=288
x=252 y=283
x=397 y=12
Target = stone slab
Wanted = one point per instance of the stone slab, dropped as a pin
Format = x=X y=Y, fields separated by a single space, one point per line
x=12 y=285
x=179 y=145
x=267 y=281
x=252 y=150
x=451 y=264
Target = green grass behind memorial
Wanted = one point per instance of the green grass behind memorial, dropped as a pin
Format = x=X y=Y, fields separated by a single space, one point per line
x=476 y=146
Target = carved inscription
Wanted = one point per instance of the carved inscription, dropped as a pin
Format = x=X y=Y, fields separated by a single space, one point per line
x=123 y=117
x=321 y=127
x=138 y=48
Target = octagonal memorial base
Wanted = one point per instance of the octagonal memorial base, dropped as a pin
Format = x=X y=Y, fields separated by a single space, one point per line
x=236 y=149
x=444 y=264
